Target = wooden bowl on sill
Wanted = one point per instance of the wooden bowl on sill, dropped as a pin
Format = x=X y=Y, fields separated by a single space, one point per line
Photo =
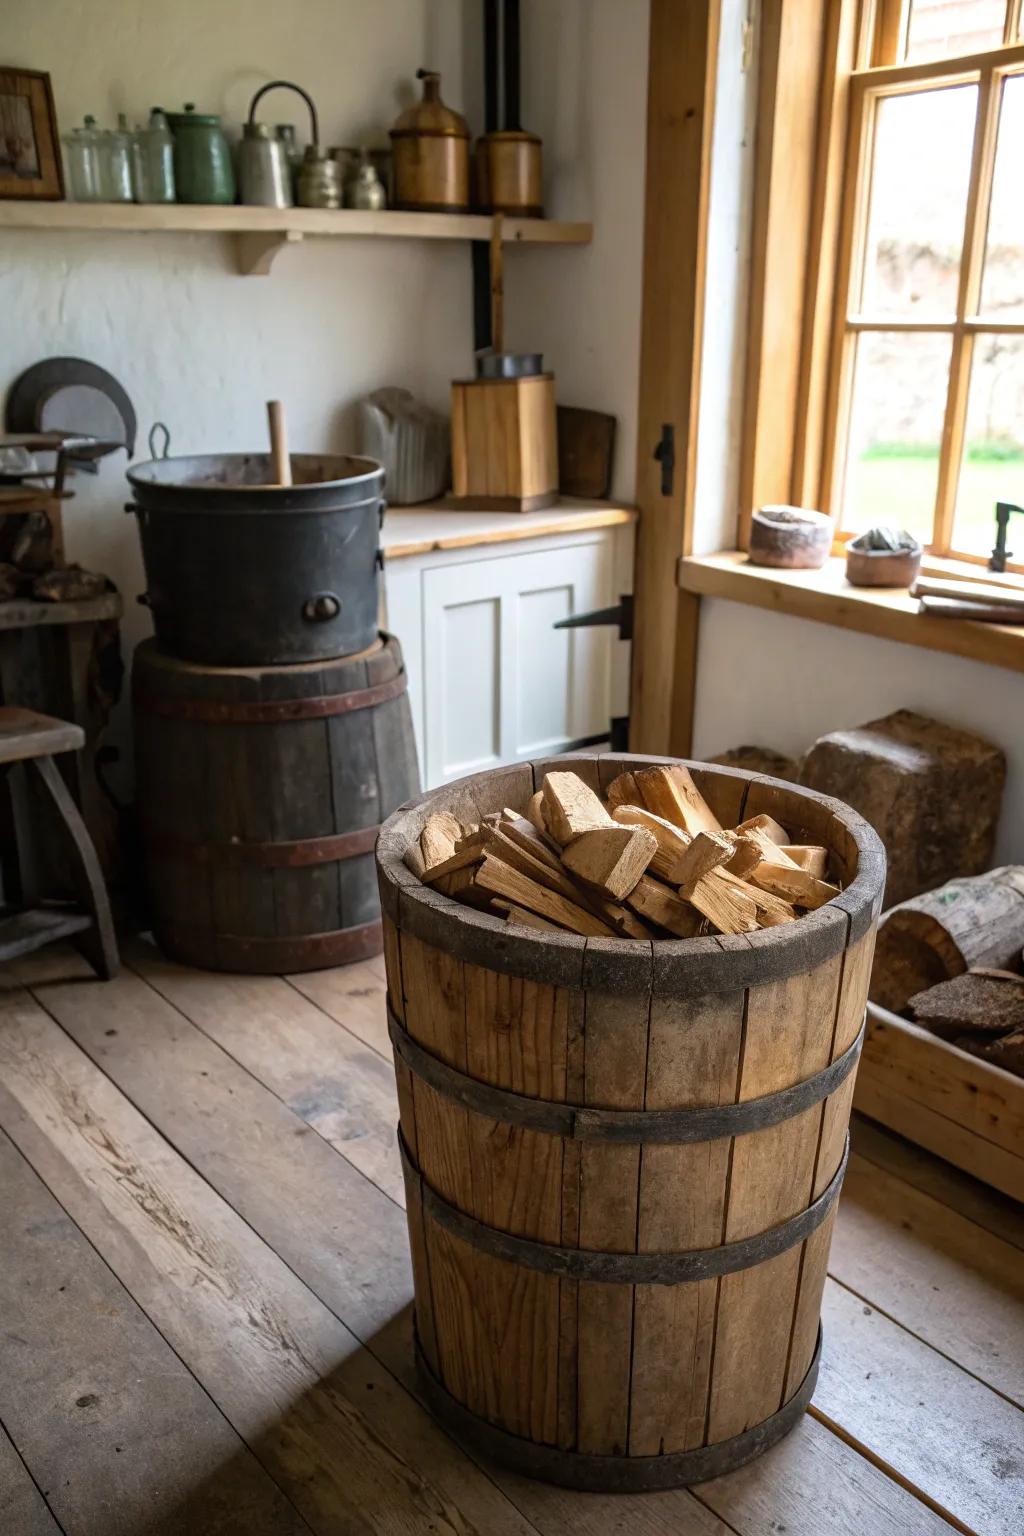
x=790 y=538
x=882 y=567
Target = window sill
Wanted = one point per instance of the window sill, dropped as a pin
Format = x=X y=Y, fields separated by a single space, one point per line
x=826 y=597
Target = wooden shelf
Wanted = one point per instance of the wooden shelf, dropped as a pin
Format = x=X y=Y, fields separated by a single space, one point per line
x=30 y=613
x=436 y=525
x=826 y=597
x=262 y=232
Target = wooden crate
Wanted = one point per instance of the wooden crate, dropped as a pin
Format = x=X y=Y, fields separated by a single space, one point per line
x=963 y=1108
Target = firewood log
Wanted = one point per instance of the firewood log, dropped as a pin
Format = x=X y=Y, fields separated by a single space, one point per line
x=611 y=858
x=977 y=921
x=670 y=792
x=570 y=807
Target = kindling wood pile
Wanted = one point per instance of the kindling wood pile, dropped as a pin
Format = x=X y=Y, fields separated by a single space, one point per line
x=651 y=862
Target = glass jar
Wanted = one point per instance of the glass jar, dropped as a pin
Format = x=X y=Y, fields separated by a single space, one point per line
x=81 y=157
x=153 y=161
x=286 y=133
x=115 y=152
x=367 y=190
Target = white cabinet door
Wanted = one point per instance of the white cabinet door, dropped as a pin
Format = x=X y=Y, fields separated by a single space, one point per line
x=499 y=683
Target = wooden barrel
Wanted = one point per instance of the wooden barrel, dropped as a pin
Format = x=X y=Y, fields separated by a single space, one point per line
x=261 y=792
x=622 y=1158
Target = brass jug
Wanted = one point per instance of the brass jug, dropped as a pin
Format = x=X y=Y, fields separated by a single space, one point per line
x=431 y=153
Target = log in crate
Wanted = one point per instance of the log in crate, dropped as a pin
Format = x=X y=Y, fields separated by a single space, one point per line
x=622 y=1156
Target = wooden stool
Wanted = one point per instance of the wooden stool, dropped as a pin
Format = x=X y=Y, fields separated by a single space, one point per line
x=34 y=739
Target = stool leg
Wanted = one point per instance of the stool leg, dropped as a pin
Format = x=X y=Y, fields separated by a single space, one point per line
x=98 y=943
x=26 y=851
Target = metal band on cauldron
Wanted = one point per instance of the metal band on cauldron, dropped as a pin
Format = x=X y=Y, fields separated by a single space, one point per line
x=587 y=1472
x=269 y=711
x=297 y=854
x=625 y=1268
x=580 y=1123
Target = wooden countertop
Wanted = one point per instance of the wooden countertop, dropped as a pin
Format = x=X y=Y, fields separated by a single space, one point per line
x=437 y=525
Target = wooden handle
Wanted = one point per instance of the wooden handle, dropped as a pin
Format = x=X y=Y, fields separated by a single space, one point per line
x=497 y=285
x=983 y=613
x=282 y=464
x=964 y=592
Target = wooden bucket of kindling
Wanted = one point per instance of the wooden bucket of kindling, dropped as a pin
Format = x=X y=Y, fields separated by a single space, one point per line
x=622 y=1157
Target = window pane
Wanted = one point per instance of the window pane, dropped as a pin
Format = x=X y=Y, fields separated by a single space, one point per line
x=993 y=464
x=921 y=165
x=899 y=401
x=1002 y=287
x=945 y=29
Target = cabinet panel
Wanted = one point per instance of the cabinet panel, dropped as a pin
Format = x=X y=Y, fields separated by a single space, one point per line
x=468 y=720
x=543 y=674
x=499 y=683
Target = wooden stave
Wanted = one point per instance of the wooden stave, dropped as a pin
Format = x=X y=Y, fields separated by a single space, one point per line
x=240 y=879
x=586 y=1473
x=487 y=1274
x=436 y=1261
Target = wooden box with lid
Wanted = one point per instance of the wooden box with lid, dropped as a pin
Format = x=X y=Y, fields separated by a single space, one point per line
x=505 y=442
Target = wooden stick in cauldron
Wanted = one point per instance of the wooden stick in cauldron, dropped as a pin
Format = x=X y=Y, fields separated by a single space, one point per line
x=280 y=459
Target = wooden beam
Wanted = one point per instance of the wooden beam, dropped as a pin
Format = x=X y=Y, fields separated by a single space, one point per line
x=680 y=112
x=794 y=35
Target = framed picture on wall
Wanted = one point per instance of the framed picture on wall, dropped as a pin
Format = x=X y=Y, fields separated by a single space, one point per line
x=30 y=163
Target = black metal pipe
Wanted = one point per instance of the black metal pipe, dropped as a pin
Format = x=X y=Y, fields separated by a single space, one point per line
x=490 y=65
x=510 y=62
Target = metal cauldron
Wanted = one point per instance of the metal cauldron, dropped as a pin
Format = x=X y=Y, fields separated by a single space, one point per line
x=241 y=572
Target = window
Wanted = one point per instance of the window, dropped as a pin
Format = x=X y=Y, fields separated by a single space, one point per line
x=925 y=415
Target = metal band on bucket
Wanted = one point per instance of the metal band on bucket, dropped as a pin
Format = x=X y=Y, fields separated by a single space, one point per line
x=578 y=1122
x=613 y=1474
x=624 y=1268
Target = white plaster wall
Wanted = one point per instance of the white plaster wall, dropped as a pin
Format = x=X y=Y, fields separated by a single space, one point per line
x=777 y=681
x=201 y=348
x=585 y=93
x=194 y=344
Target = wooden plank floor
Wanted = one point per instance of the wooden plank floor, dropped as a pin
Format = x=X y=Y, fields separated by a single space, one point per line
x=204 y=1296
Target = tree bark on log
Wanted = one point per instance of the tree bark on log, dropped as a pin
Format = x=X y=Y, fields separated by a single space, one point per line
x=931 y=938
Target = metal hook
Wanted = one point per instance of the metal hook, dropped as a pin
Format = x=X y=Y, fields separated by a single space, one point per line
x=154 y=438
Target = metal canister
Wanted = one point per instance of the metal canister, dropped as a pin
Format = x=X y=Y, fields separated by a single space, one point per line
x=203 y=172
x=320 y=180
x=264 y=174
x=509 y=176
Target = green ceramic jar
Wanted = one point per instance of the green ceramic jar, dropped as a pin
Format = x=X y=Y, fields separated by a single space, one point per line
x=203 y=172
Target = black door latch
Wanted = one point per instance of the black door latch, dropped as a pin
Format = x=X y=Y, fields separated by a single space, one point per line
x=1001 y=554
x=665 y=453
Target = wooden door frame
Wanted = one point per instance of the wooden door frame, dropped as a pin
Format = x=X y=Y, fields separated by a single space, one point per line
x=680 y=115
x=805 y=54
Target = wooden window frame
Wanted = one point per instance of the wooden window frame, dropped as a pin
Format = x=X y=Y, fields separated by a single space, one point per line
x=799 y=361
x=868 y=88
x=683 y=57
